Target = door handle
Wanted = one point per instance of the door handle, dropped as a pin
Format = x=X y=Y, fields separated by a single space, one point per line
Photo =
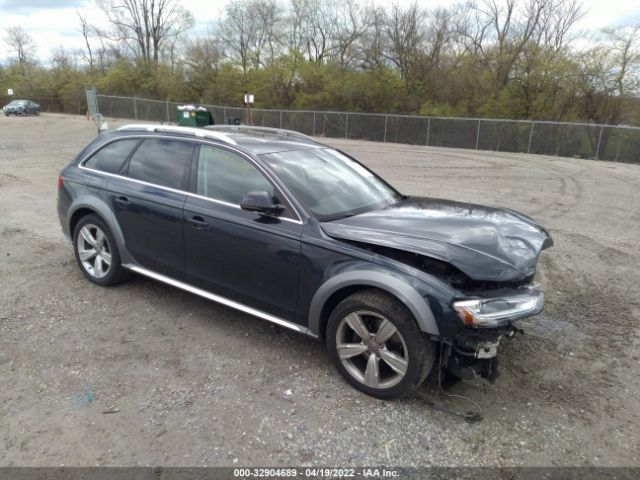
x=198 y=222
x=123 y=201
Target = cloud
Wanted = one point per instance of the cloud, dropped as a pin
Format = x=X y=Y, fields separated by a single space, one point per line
x=22 y=7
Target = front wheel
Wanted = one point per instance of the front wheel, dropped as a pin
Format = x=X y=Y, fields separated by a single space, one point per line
x=376 y=345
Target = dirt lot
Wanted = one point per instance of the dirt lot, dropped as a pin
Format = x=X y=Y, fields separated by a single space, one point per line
x=195 y=383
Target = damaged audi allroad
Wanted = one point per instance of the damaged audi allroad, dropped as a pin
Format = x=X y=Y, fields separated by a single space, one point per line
x=276 y=225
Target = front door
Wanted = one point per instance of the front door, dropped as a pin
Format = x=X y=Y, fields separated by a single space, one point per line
x=237 y=254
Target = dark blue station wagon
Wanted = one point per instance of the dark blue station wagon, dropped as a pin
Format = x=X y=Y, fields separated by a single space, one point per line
x=277 y=225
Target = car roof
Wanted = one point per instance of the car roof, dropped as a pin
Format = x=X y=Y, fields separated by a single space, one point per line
x=256 y=140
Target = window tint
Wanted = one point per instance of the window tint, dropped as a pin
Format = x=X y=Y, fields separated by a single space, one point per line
x=162 y=162
x=225 y=176
x=110 y=158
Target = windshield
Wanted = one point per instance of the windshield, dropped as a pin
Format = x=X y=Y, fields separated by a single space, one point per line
x=17 y=103
x=330 y=184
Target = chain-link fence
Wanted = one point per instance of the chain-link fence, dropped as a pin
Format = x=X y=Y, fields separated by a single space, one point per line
x=580 y=140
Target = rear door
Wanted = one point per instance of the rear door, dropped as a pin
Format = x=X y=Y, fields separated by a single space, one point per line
x=147 y=200
x=237 y=254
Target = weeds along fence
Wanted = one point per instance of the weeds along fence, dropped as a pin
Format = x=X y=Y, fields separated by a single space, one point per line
x=579 y=140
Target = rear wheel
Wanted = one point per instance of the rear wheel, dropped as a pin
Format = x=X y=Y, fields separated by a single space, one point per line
x=375 y=343
x=96 y=252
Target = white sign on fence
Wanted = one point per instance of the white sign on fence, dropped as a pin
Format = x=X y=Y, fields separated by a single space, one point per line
x=9 y=91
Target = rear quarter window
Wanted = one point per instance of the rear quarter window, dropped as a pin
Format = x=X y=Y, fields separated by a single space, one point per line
x=111 y=157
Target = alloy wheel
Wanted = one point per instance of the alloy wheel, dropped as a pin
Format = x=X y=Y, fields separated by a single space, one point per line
x=94 y=251
x=372 y=349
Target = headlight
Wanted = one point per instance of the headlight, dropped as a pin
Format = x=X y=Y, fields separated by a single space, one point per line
x=491 y=312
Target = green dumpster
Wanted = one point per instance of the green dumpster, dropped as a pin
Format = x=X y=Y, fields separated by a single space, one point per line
x=193 y=116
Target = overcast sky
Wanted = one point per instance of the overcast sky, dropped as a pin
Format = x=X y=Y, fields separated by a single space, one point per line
x=54 y=23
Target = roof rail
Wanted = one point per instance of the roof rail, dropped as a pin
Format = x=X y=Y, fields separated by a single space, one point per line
x=250 y=128
x=198 y=132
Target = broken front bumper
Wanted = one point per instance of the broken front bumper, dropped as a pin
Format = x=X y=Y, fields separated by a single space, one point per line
x=474 y=352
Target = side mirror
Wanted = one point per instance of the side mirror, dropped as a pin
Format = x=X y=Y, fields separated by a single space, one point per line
x=261 y=202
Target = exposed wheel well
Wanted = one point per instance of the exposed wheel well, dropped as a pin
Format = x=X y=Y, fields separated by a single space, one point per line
x=336 y=297
x=77 y=215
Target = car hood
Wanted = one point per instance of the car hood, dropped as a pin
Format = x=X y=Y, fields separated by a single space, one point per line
x=487 y=244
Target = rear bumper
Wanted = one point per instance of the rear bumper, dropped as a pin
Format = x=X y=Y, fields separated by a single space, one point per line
x=63 y=218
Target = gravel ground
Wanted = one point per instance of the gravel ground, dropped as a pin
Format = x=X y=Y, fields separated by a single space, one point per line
x=192 y=383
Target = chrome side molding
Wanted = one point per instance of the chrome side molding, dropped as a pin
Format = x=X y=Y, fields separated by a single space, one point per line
x=216 y=298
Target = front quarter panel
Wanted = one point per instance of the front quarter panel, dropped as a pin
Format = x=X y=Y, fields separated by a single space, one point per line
x=362 y=274
x=329 y=266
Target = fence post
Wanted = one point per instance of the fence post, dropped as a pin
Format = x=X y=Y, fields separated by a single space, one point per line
x=224 y=114
x=135 y=109
x=530 y=138
x=280 y=118
x=168 y=118
x=428 y=129
x=313 y=134
x=346 y=126
x=386 y=118
x=478 y=134
x=599 y=141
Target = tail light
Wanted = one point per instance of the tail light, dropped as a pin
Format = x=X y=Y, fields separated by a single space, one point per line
x=60 y=182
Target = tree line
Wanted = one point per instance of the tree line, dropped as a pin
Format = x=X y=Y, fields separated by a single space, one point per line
x=520 y=59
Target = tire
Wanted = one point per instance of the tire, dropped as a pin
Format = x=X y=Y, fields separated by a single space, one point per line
x=400 y=363
x=103 y=266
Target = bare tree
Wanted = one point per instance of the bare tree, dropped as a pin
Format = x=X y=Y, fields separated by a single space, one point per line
x=85 y=30
x=624 y=48
x=511 y=29
x=317 y=31
x=21 y=42
x=470 y=31
x=373 y=40
x=405 y=36
x=556 y=29
x=146 y=26
x=550 y=96
x=350 y=27
x=438 y=36
x=107 y=51
x=248 y=32
x=67 y=58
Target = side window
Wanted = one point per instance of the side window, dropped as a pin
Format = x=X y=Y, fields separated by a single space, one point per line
x=225 y=176
x=162 y=162
x=110 y=158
